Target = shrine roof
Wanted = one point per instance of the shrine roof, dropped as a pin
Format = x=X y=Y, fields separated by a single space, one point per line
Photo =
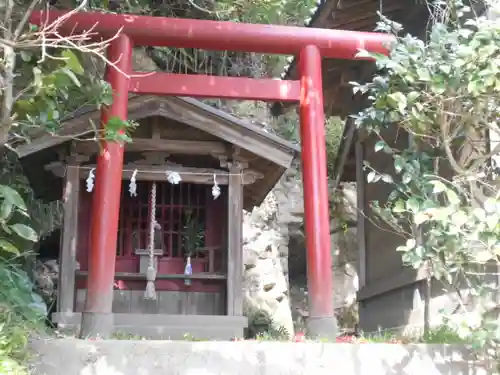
x=266 y=153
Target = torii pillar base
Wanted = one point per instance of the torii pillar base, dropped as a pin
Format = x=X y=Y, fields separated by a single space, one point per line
x=96 y=325
x=322 y=328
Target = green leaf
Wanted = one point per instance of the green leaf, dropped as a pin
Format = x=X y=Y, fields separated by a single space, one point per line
x=401 y=249
x=363 y=54
x=371 y=177
x=420 y=217
x=412 y=96
x=406 y=178
x=398 y=164
x=452 y=197
x=387 y=178
x=379 y=146
x=26 y=56
x=412 y=205
x=459 y=218
x=399 y=206
x=72 y=76
x=12 y=196
x=25 y=232
x=479 y=214
x=458 y=63
x=6 y=209
x=423 y=74
x=8 y=247
x=438 y=186
x=397 y=100
x=72 y=61
x=490 y=205
x=411 y=243
x=492 y=222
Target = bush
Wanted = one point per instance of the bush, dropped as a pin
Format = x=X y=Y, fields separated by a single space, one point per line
x=21 y=310
x=443 y=93
x=21 y=314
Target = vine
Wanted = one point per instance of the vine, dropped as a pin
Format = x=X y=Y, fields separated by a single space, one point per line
x=442 y=95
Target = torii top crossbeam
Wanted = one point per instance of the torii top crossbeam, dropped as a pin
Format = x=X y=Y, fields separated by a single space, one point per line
x=311 y=45
x=220 y=35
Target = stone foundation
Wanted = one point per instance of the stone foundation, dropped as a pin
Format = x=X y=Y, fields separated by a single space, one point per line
x=113 y=357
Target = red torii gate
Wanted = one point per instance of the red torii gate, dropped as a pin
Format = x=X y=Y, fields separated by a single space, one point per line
x=308 y=43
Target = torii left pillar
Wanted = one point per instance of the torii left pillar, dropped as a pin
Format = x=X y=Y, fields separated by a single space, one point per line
x=97 y=318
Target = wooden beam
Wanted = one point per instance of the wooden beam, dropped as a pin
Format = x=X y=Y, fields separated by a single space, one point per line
x=159 y=173
x=326 y=13
x=69 y=238
x=345 y=148
x=205 y=86
x=366 y=11
x=177 y=276
x=406 y=276
x=164 y=145
x=235 y=242
x=361 y=218
x=156 y=173
x=186 y=111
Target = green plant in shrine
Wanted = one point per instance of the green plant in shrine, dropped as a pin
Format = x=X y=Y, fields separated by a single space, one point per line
x=443 y=95
x=193 y=234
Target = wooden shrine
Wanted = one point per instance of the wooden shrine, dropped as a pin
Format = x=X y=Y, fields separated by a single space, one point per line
x=188 y=175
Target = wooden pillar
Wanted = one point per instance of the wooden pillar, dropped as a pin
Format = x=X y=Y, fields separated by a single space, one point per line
x=69 y=237
x=321 y=321
x=235 y=241
x=97 y=317
x=361 y=219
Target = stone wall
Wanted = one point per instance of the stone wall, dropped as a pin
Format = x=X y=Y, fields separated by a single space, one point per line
x=265 y=251
x=128 y=357
x=275 y=259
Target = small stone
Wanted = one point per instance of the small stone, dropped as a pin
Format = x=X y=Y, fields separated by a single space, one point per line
x=269 y=286
x=264 y=255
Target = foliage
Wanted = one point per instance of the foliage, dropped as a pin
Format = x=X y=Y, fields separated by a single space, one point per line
x=334 y=129
x=22 y=313
x=443 y=94
x=193 y=234
x=44 y=217
x=44 y=81
x=261 y=326
x=225 y=63
x=21 y=310
x=438 y=335
x=11 y=206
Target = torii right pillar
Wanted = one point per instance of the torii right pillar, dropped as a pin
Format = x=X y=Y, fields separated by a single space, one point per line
x=321 y=321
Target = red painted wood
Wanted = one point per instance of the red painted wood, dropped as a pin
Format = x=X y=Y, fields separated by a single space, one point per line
x=218 y=35
x=316 y=215
x=126 y=261
x=209 y=286
x=312 y=44
x=203 y=86
x=108 y=182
